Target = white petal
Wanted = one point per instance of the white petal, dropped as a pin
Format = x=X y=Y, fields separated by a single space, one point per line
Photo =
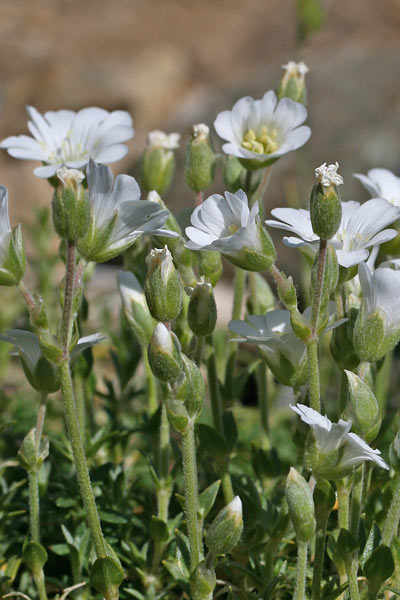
x=110 y=153
x=223 y=127
x=47 y=171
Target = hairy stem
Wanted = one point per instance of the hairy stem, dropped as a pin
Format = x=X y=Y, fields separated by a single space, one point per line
x=393 y=517
x=240 y=283
x=313 y=375
x=191 y=497
x=356 y=500
x=301 y=569
x=318 y=561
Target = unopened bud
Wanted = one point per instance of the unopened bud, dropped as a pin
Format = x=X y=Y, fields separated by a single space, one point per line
x=71 y=207
x=202 y=310
x=158 y=163
x=369 y=335
x=226 y=529
x=364 y=408
x=301 y=505
x=164 y=354
x=189 y=388
x=325 y=204
x=177 y=414
x=292 y=84
x=211 y=266
x=162 y=286
x=29 y=456
x=324 y=501
x=135 y=307
x=287 y=292
x=200 y=159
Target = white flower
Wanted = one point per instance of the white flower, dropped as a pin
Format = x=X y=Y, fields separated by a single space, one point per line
x=283 y=351
x=200 y=130
x=130 y=290
x=227 y=225
x=294 y=69
x=262 y=130
x=328 y=175
x=381 y=292
x=361 y=227
x=331 y=437
x=68 y=138
x=159 y=139
x=71 y=177
x=118 y=216
x=382 y=183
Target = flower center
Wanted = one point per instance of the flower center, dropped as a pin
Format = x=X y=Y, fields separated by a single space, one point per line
x=233 y=229
x=264 y=142
x=66 y=152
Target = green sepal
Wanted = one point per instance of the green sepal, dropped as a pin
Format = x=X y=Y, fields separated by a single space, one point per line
x=189 y=388
x=157 y=169
x=369 y=335
x=71 y=212
x=300 y=326
x=211 y=266
x=35 y=557
x=203 y=582
x=199 y=163
x=28 y=457
x=251 y=164
x=106 y=575
x=93 y=246
x=301 y=506
x=325 y=210
x=251 y=259
x=14 y=263
x=202 y=310
x=363 y=408
x=177 y=414
x=324 y=500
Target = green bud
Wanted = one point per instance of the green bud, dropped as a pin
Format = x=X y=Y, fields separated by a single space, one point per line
x=158 y=162
x=164 y=354
x=202 y=310
x=177 y=414
x=301 y=505
x=29 y=457
x=292 y=84
x=364 y=408
x=162 y=286
x=369 y=335
x=211 y=266
x=171 y=224
x=341 y=346
x=71 y=207
x=394 y=453
x=189 y=388
x=287 y=292
x=234 y=174
x=200 y=159
x=203 y=582
x=13 y=262
x=325 y=204
x=226 y=529
x=324 y=501
x=38 y=315
x=135 y=307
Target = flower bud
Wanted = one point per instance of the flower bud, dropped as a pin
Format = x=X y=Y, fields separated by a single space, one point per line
x=292 y=84
x=135 y=307
x=204 y=580
x=364 y=408
x=369 y=335
x=177 y=414
x=200 y=159
x=38 y=315
x=189 y=388
x=394 y=453
x=325 y=204
x=71 y=208
x=158 y=162
x=202 y=310
x=324 y=500
x=171 y=224
x=342 y=348
x=211 y=266
x=234 y=174
x=226 y=529
x=30 y=458
x=287 y=292
x=164 y=354
x=162 y=286
x=301 y=505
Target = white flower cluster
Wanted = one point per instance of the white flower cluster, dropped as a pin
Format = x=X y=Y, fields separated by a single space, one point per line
x=328 y=175
x=159 y=139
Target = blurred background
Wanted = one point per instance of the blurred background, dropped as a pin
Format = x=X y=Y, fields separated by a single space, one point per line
x=172 y=63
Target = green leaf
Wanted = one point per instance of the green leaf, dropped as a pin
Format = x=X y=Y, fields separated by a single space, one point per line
x=346 y=544
x=106 y=576
x=373 y=541
x=114 y=517
x=213 y=442
x=59 y=549
x=378 y=568
x=158 y=529
x=182 y=553
x=35 y=556
x=230 y=429
x=207 y=498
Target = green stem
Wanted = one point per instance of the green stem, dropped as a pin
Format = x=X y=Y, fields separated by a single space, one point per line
x=356 y=500
x=343 y=499
x=316 y=305
x=240 y=283
x=318 y=561
x=392 y=520
x=226 y=483
x=79 y=386
x=313 y=375
x=198 y=351
x=301 y=569
x=151 y=386
x=191 y=497
x=40 y=584
x=164 y=493
x=78 y=451
x=67 y=317
x=34 y=504
x=352 y=571
x=27 y=296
